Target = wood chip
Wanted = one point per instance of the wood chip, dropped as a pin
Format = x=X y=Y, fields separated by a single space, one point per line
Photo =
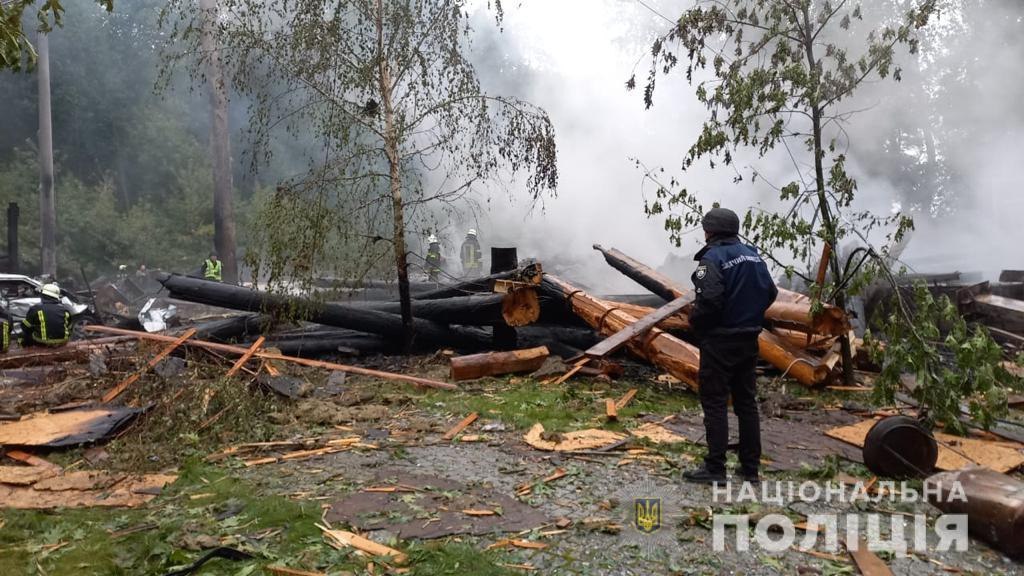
x=610 y=411
x=460 y=426
x=344 y=539
x=657 y=434
x=528 y=544
x=471 y=512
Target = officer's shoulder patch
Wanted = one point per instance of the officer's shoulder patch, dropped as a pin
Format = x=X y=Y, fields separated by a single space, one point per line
x=702 y=271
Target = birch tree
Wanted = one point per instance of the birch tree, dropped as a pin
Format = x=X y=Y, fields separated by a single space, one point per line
x=779 y=74
x=392 y=118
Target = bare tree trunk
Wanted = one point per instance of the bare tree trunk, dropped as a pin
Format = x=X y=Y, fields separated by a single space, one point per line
x=395 y=179
x=47 y=202
x=823 y=205
x=220 y=147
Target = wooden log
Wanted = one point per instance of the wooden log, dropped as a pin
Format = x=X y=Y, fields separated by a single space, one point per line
x=658 y=347
x=484 y=285
x=116 y=390
x=638 y=328
x=643 y=275
x=473 y=310
x=343 y=316
x=495 y=363
x=233 y=329
x=228 y=348
x=678 y=322
x=790 y=310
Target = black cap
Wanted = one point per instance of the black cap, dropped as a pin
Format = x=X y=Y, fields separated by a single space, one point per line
x=721 y=221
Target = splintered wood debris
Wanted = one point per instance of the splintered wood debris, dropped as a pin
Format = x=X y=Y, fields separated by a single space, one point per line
x=67 y=428
x=657 y=434
x=341 y=539
x=78 y=489
x=591 y=439
x=955 y=452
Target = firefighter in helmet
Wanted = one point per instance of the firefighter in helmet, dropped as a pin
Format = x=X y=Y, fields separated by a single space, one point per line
x=434 y=259
x=472 y=261
x=47 y=323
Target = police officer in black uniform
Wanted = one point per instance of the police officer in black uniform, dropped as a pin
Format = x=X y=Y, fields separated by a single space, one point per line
x=734 y=289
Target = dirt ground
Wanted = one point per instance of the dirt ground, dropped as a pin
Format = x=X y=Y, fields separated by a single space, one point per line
x=422 y=485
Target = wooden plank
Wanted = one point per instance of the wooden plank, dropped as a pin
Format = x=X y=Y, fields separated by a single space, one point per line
x=625 y=399
x=572 y=371
x=638 y=328
x=465 y=422
x=245 y=357
x=116 y=390
x=31 y=459
x=867 y=562
x=425 y=382
x=610 y=410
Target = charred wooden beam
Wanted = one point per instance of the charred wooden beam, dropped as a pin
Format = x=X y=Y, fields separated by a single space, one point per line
x=364 y=320
x=643 y=275
x=790 y=310
x=474 y=310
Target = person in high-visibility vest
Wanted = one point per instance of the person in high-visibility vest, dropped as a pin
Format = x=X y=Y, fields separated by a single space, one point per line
x=212 y=268
x=434 y=259
x=472 y=261
x=47 y=323
x=5 y=333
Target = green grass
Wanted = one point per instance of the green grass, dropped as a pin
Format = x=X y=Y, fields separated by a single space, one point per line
x=579 y=403
x=205 y=501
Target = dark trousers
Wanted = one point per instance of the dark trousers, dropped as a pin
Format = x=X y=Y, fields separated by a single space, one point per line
x=727 y=367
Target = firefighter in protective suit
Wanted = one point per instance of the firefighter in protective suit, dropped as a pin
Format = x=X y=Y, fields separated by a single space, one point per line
x=434 y=260
x=472 y=260
x=47 y=323
x=734 y=289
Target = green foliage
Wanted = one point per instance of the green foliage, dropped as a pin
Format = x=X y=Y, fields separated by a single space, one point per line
x=205 y=501
x=770 y=72
x=16 y=52
x=952 y=365
x=97 y=233
x=400 y=127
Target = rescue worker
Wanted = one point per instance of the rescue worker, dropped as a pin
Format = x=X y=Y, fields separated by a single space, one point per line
x=47 y=323
x=434 y=260
x=472 y=261
x=733 y=291
x=5 y=332
x=212 y=268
